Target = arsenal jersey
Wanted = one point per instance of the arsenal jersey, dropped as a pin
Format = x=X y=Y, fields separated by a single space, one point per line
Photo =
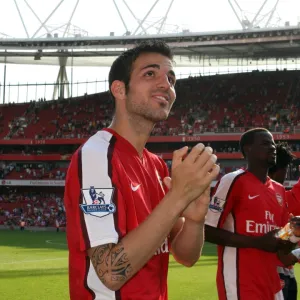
x=109 y=192
x=244 y=205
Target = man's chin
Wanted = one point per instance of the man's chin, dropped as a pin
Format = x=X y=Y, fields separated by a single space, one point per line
x=159 y=117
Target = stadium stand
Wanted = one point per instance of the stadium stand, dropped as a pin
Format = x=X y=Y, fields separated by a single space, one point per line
x=34 y=207
x=227 y=103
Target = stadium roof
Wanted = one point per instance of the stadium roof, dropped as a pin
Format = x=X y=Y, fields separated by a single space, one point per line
x=189 y=47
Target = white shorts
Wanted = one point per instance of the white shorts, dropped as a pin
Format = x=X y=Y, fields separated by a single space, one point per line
x=279 y=296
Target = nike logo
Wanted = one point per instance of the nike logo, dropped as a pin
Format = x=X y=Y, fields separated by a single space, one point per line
x=253 y=197
x=135 y=188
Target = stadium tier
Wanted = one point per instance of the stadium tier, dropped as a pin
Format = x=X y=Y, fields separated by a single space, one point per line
x=220 y=103
x=38 y=208
x=38 y=138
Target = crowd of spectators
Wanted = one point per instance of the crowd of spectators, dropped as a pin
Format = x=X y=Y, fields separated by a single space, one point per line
x=33 y=171
x=219 y=103
x=35 y=209
x=5 y=169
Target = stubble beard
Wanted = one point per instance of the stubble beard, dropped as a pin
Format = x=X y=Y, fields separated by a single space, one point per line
x=147 y=113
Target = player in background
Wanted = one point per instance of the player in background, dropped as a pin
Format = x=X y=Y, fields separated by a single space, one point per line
x=22 y=224
x=57 y=224
x=122 y=221
x=278 y=173
x=246 y=208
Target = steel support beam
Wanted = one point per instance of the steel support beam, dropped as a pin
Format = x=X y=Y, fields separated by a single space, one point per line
x=165 y=17
x=31 y=9
x=120 y=15
x=20 y=15
x=69 y=22
x=51 y=14
x=134 y=16
x=146 y=16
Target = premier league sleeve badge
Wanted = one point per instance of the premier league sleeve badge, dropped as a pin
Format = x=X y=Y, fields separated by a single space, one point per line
x=216 y=205
x=98 y=201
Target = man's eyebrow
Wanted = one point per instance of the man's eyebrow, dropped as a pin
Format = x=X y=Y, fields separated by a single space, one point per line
x=151 y=66
x=156 y=66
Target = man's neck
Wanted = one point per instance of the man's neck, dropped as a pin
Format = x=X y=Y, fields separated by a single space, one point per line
x=136 y=131
x=260 y=172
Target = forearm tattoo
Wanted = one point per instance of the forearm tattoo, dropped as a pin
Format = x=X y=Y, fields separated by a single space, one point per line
x=111 y=260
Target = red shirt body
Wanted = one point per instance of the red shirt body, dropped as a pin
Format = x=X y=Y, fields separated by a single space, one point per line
x=244 y=205
x=109 y=192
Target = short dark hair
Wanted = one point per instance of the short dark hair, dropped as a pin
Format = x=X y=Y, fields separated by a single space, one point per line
x=284 y=157
x=247 y=138
x=122 y=66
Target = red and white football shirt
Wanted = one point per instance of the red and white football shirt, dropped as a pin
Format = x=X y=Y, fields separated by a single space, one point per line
x=109 y=192
x=293 y=199
x=244 y=205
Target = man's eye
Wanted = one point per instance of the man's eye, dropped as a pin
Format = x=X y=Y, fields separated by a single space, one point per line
x=149 y=73
x=171 y=80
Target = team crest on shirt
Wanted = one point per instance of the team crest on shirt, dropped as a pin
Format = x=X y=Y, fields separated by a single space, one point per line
x=279 y=199
x=216 y=205
x=98 y=201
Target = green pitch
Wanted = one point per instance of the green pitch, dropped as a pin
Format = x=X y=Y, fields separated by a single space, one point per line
x=33 y=266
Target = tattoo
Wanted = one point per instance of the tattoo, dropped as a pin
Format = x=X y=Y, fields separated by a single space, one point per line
x=111 y=259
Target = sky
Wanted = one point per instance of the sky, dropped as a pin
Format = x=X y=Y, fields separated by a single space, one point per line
x=100 y=17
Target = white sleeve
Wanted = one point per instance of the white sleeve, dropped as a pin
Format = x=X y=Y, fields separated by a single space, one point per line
x=222 y=201
x=98 y=208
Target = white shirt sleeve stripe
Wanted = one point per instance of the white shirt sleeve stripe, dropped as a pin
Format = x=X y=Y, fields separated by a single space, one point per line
x=218 y=201
x=100 y=227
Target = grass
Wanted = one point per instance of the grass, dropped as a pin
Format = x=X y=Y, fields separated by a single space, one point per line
x=33 y=266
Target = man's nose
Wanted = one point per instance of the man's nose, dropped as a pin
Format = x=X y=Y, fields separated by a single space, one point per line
x=163 y=82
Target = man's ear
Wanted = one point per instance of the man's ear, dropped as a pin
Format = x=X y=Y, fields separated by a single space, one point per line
x=118 y=89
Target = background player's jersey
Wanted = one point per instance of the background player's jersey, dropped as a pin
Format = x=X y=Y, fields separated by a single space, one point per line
x=293 y=199
x=109 y=192
x=293 y=202
x=244 y=205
